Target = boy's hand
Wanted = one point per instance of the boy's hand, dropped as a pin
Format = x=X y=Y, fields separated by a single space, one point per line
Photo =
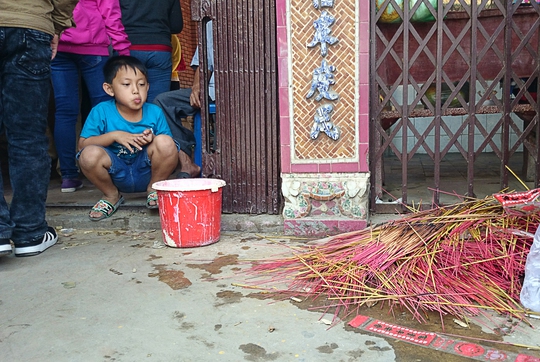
x=133 y=140
x=147 y=136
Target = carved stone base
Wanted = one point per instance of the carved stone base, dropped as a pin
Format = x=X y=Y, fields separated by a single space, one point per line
x=325 y=204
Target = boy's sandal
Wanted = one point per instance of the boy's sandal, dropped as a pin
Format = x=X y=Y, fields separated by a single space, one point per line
x=105 y=208
x=152 y=197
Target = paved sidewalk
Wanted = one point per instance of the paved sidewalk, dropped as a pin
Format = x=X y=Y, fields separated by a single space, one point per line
x=122 y=296
x=117 y=295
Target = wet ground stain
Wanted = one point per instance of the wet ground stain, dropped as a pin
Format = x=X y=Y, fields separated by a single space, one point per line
x=228 y=297
x=328 y=348
x=173 y=278
x=255 y=352
x=356 y=354
x=183 y=325
x=186 y=326
x=214 y=267
x=179 y=315
x=208 y=345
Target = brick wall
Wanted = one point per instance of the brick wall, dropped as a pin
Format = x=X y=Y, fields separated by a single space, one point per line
x=188 y=41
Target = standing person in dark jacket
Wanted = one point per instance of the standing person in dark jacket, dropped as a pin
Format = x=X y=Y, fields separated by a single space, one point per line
x=149 y=25
x=29 y=31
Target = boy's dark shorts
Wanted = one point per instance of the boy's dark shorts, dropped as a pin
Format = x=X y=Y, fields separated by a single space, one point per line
x=131 y=175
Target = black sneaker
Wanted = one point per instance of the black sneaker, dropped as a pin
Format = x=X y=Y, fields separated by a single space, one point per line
x=5 y=247
x=38 y=246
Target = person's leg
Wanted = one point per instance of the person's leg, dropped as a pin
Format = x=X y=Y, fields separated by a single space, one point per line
x=6 y=225
x=187 y=168
x=159 y=66
x=176 y=106
x=163 y=152
x=65 y=80
x=25 y=57
x=96 y=163
x=91 y=67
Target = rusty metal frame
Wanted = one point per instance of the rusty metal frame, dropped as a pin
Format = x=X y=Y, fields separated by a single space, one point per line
x=479 y=51
x=244 y=148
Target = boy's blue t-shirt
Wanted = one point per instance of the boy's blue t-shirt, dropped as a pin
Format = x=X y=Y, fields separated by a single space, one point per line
x=105 y=118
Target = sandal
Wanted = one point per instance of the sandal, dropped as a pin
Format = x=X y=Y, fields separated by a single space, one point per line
x=105 y=208
x=152 y=196
x=183 y=175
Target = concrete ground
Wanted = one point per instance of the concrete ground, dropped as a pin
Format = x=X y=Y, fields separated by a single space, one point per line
x=112 y=291
x=122 y=295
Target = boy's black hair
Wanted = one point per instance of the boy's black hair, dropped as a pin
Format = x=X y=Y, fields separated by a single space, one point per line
x=122 y=61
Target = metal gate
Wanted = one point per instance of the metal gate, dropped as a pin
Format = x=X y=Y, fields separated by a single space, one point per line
x=241 y=144
x=441 y=58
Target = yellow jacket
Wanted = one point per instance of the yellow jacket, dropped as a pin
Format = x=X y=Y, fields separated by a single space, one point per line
x=176 y=56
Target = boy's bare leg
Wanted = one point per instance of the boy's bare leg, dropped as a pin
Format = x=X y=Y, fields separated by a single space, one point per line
x=162 y=154
x=95 y=163
x=187 y=165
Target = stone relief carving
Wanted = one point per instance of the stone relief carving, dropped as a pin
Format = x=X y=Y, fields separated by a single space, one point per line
x=322 y=32
x=323 y=78
x=323 y=123
x=321 y=82
x=313 y=197
x=317 y=4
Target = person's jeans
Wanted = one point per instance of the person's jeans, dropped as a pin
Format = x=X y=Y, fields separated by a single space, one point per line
x=67 y=70
x=159 y=65
x=25 y=57
x=176 y=105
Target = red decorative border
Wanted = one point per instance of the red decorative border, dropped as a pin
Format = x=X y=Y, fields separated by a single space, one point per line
x=438 y=342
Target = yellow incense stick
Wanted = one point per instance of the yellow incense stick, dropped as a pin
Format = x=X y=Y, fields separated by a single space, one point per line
x=517 y=178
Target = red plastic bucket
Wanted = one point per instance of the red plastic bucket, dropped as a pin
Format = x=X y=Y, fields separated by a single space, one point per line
x=190 y=211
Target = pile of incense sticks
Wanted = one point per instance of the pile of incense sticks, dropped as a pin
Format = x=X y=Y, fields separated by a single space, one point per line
x=462 y=260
